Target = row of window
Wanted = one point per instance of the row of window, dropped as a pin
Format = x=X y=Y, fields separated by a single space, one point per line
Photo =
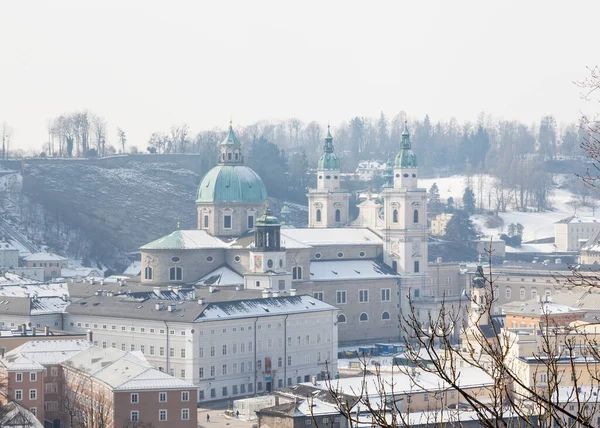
x=338 y=216
x=249 y=388
x=415 y=216
x=133 y=329
x=32 y=376
x=227 y=221
x=522 y=293
x=19 y=394
x=44 y=264
x=340 y=255
x=363 y=296
x=364 y=317
x=162 y=397
x=163 y=415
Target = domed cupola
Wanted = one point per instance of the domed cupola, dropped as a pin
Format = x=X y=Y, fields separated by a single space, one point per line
x=405 y=167
x=231 y=194
x=478 y=280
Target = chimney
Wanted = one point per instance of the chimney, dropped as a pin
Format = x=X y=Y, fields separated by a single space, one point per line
x=266 y=293
x=171 y=307
x=24 y=329
x=292 y=291
x=211 y=289
x=201 y=301
x=275 y=293
x=33 y=331
x=101 y=282
x=156 y=290
x=313 y=380
x=238 y=288
x=2 y=352
x=439 y=260
x=46 y=330
x=158 y=306
x=98 y=292
x=89 y=335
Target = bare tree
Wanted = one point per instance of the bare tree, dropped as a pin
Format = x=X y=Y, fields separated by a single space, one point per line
x=87 y=404
x=122 y=138
x=6 y=135
x=553 y=383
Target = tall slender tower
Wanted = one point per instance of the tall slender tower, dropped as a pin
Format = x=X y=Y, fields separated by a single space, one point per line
x=405 y=215
x=328 y=205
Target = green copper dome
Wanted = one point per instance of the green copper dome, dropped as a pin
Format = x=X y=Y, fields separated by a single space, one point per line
x=479 y=278
x=406 y=158
x=231 y=183
x=328 y=160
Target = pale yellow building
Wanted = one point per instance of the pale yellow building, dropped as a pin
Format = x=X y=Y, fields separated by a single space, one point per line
x=439 y=223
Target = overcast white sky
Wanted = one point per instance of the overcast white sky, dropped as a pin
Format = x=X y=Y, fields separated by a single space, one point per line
x=145 y=65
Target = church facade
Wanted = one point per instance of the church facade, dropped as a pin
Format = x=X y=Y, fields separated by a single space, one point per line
x=365 y=267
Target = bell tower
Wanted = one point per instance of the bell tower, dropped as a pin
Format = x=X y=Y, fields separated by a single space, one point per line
x=405 y=215
x=328 y=205
x=267 y=258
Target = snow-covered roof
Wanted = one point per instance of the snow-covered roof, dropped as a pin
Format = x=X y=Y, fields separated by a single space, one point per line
x=338 y=270
x=81 y=272
x=33 y=288
x=5 y=246
x=122 y=370
x=17 y=416
x=221 y=276
x=262 y=307
x=16 y=362
x=134 y=269
x=185 y=240
x=535 y=307
x=49 y=352
x=579 y=220
x=44 y=257
x=333 y=236
x=9 y=278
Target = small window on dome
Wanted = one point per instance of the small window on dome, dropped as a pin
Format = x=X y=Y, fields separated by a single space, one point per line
x=228 y=156
x=335 y=176
x=361 y=254
x=318 y=255
x=328 y=177
x=175 y=259
x=405 y=175
x=209 y=259
x=237 y=259
x=340 y=255
x=270 y=263
x=414 y=175
x=320 y=177
x=397 y=175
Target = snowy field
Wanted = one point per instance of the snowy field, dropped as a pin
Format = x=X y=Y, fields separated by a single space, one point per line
x=536 y=225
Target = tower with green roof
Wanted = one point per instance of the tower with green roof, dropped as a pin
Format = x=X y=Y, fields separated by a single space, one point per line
x=231 y=194
x=328 y=204
x=405 y=216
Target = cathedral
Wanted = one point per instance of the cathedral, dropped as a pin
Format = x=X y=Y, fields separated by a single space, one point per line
x=366 y=267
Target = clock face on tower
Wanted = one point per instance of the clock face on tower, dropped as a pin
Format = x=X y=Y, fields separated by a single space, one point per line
x=258 y=262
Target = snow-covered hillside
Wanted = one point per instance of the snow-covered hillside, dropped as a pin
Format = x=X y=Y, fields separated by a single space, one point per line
x=536 y=225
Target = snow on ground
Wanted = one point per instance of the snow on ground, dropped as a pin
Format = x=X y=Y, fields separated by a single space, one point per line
x=536 y=225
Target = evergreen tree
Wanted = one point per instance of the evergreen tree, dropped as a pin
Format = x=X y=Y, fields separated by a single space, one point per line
x=450 y=205
x=469 y=200
x=383 y=131
x=434 y=201
x=460 y=229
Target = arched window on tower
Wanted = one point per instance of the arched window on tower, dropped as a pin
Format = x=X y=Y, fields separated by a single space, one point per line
x=415 y=216
x=148 y=272
x=395 y=216
x=338 y=216
x=175 y=273
x=297 y=272
x=228 y=156
x=236 y=155
x=318 y=216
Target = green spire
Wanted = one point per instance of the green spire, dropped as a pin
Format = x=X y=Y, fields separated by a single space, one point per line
x=328 y=148
x=479 y=279
x=231 y=137
x=328 y=160
x=405 y=137
x=406 y=157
